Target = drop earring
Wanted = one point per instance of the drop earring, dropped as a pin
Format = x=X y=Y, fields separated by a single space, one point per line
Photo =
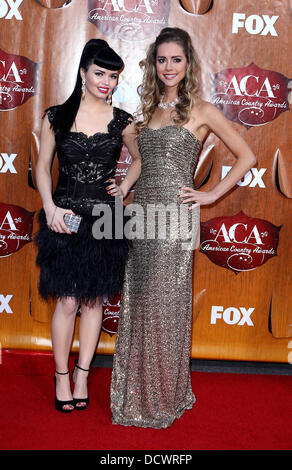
x=83 y=89
x=109 y=99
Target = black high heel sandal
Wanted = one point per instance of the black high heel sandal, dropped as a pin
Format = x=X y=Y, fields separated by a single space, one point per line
x=77 y=401
x=59 y=404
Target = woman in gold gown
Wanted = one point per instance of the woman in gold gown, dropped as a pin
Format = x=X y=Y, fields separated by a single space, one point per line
x=151 y=383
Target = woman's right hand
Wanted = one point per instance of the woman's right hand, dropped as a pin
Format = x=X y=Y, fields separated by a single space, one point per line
x=55 y=219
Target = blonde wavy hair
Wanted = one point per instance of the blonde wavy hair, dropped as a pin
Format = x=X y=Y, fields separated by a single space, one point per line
x=152 y=88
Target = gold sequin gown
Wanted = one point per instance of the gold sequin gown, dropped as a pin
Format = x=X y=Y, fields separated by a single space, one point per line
x=151 y=371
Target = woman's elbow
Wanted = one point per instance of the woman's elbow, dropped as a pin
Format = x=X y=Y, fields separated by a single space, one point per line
x=253 y=160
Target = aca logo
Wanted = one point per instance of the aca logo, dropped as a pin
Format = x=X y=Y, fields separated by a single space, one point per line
x=10 y=9
x=254 y=24
x=18 y=78
x=129 y=20
x=6 y=163
x=111 y=309
x=4 y=303
x=16 y=226
x=239 y=243
x=252 y=178
x=232 y=315
x=251 y=96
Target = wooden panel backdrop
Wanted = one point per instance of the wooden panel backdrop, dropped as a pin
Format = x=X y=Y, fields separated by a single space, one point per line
x=238 y=312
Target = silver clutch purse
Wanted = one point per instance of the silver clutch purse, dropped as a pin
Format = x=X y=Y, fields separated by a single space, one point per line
x=72 y=222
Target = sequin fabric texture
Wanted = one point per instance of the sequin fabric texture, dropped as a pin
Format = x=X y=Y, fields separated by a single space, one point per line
x=86 y=163
x=151 y=374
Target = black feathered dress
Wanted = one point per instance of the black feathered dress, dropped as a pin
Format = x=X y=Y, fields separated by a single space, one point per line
x=82 y=265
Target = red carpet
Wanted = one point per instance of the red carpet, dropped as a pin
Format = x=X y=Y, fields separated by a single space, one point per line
x=233 y=411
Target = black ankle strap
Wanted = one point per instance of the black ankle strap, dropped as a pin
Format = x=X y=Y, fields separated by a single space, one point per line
x=62 y=373
x=78 y=367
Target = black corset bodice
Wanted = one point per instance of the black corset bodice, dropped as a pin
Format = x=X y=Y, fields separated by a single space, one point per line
x=87 y=162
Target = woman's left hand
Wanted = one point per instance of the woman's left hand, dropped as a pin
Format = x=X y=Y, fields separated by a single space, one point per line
x=113 y=189
x=202 y=198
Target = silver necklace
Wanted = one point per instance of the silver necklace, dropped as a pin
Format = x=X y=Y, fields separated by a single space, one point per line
x=171 y=104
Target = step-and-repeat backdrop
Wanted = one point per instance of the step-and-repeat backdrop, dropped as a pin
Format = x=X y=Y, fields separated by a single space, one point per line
x=242 y=292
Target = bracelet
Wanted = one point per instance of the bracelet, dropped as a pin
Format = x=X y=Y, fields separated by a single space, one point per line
x=53 y=217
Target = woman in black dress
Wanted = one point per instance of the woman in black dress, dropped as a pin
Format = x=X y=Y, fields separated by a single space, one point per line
x=76 y=268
